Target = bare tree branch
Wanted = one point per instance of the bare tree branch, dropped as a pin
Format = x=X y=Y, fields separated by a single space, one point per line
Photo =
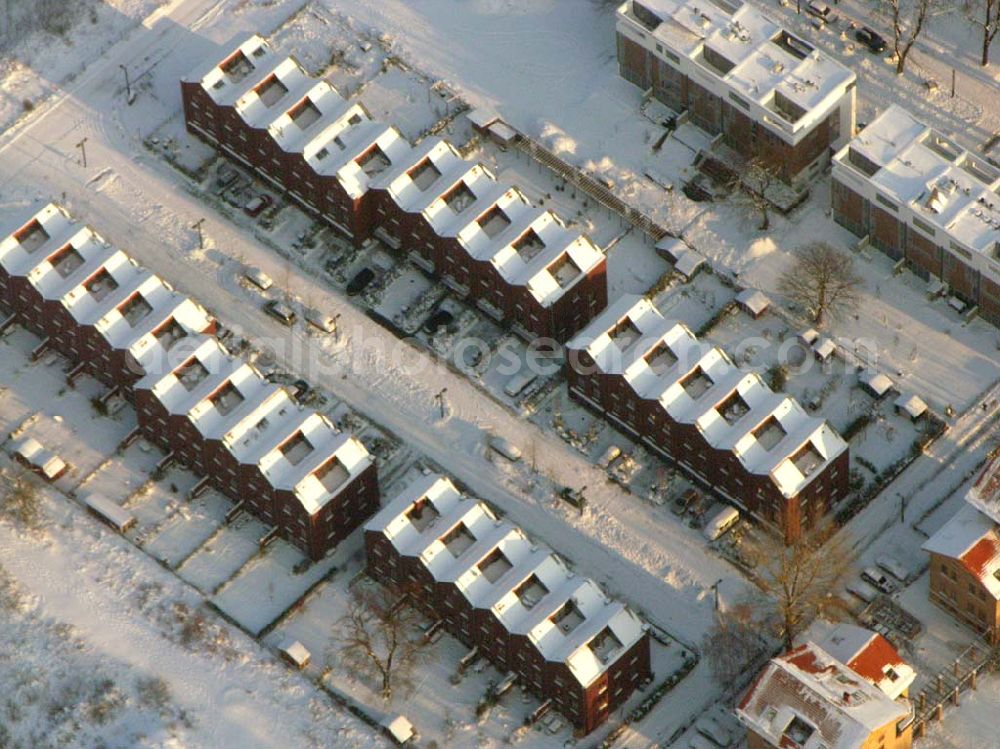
x=909 y=18
x=986 y=15
x=751 y=188
x=822 y=279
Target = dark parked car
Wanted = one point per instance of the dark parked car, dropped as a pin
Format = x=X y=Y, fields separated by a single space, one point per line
x=441 y=317
x=280 y=312
x=871 y=39
x=360 y=281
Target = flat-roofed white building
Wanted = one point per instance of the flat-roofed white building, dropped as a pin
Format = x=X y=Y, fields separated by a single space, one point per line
x=768 y=93
x=512 y=599
x=921 y=197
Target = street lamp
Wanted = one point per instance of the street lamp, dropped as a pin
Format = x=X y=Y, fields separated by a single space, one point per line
x=715 y=589
x=336 y=327
x=440 y=399
x=82 y=145
x=128 y=85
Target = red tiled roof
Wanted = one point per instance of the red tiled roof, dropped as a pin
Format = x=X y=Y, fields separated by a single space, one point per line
x=979 y=555
x=871 y=661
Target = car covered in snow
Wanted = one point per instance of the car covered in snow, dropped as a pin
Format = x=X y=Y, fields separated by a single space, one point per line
x=712 y=729
x=321 y=320
x=258 y=278
x=281 y=312
x=892 y=566
x=877 y=578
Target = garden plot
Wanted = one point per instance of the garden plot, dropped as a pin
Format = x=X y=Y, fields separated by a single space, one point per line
x=442 y=698
x=223 y=554
x=409 y=298
x=267 y=586
x=697 y=303
x=157 y=499
x=192 y=524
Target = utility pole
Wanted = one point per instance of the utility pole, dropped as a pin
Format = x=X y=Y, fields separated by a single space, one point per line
x=336 y=327
x=953 y=83
x=82 y=145
x=715 y=589
x=440 y=399
x=201 y=234
x=128 y=85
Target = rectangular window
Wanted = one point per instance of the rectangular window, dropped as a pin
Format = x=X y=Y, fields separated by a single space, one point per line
x=923 y=226
x=886 y=202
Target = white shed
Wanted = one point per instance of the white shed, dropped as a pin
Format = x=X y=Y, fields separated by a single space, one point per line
x=30 y=452
x=689 y=263
x=481 y=118
x=399 y=729
x=808 y=337
x=912 y=405
x=670 y=248
x=823 y=348
x=501 y=132
x=295 y=653
x=874 y=383
x=114 y=515
x=753 y=301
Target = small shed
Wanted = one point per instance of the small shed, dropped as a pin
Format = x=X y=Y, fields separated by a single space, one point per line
x=295 y=653
x=670 y=248
x=808 y=337
x=911 y=405
x=481 y=118
x=823 y=348
x=399 y=729
x=689 y=263
x=501 y=132
x=875 y=383
x=29 y=452
x=114 y=515
x=753 y=301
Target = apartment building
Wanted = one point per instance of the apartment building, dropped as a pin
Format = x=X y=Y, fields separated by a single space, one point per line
x=482 y=236
x=689 y=403
x=765 y=91
x=211 y=411
x=921 y=198
x=809 y=699
x=965 y=558
x=513 y=600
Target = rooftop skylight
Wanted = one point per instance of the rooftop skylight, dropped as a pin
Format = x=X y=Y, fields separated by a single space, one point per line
x=564 y=270
x=271 y=90
x=661 y=359
x=459 y=197
x=567 y=618
x=696 y=383
x=493 y=222
x=135 y=310
x=769 y=433
x=605 y=645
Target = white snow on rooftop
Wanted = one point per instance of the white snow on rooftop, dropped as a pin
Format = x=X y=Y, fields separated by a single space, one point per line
x=495 y=566
x=227 y=80
x=985 y=493
x=971 y=538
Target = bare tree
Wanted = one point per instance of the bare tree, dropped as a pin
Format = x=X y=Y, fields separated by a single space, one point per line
x=751 y=186
x=799 y=579
x=822 y=279
x=986 y=15
x=735 y=640
x=375 y=636
x=909 y=19
x=21 y=500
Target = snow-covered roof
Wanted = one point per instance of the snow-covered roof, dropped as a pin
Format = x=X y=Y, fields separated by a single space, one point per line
x=754 y=300
x=295 y=651
x=32 y=452
x=971 y=538
x=400 y=728
x=871 y=656
x=911 y=404
x=808 y=699
x=824 y=347
x=754 y=58
x=226 y=80
x=954 y=191
x=878 y=383
x=688 y=262
x=985 y=493
x=482 y=117
x=496 y=567
x=306 y=117
x=698 y=384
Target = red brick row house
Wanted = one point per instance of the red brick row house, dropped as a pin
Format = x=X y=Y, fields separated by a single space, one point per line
x=213 y=412
x=767 y=93
x=516 y=602
x=850 y=691
x=483 y=237
x=923 y=199
x=689 y=403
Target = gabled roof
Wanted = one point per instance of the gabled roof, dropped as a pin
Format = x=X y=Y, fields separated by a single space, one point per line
x=530 y=590
x=808 y=699
x=870 y=656
x=970 y=537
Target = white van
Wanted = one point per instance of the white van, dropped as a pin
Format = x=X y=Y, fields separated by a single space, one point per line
x=258 y=278
x=721 y=522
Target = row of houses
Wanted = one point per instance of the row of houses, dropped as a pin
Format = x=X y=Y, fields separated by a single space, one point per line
x=688 y=402
x=482 y=235
x=850 y=690
x=210 y=410
x=515 y=602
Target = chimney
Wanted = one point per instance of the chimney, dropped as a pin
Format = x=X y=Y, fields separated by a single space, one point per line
x=847 y=698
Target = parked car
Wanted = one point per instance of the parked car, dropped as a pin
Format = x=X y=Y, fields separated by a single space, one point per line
x=681 y=504
x=281 y=312
x=878 y=579
x=439 y=318
x=225 y=176
x=506 y=448
x=518 y=383
x=721 y=522
x=257 y=205
x=697 y=741
x=258 y=278
x=714 y=730
x=360 y=281
x=871 y=39
x=822 y=11
x=892 y=566
x=321 y=320
x=862 y=590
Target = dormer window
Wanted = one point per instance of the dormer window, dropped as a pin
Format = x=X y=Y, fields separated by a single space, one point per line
x=304 y=114
x=624 y=333
x=531 y=591
x=494 y=565
x=65 y=261
x=332 y=475
x=32 y=236
x=807 y=459
x=237 y=67
x=295 y=449
x=564 y=270
x=169 y=334
x=605 y=645
x=567 y=618
x=696 y=383
x=661 y=359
